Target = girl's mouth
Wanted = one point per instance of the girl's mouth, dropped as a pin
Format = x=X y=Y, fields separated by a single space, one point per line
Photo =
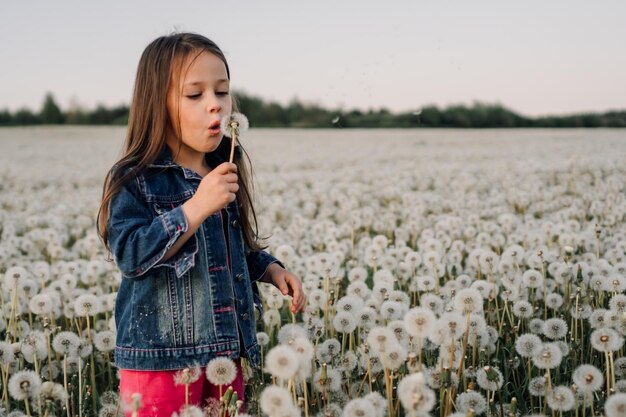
x=214 y=128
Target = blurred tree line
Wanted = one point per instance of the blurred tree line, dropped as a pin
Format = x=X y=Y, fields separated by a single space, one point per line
x=297 y=114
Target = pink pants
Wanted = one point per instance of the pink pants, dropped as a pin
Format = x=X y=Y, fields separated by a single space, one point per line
x=160 y=396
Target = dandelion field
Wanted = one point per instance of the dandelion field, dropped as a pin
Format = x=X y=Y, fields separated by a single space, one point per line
x=448 y=272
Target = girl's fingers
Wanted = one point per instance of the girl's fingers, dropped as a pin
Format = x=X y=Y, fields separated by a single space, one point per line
x=230 y=177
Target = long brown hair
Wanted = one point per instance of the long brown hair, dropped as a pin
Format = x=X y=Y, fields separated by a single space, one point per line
x=148 y=124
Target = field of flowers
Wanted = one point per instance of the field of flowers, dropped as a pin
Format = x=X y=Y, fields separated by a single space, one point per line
x=448 y=273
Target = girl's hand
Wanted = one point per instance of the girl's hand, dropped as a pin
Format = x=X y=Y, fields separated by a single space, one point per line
x=217 y=189
x=288 y=284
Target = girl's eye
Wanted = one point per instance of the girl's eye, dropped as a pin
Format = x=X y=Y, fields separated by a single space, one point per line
x=194 y=96
x=222 y=93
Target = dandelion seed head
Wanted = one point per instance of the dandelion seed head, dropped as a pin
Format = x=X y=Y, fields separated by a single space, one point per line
x=532 y=278
x=432 y=302
x=109 y=410
x=522 y=309
x=394 y=357
x=104 y=341
x=536 y=326
x=606 y=340
x=282 y=362
x=221 y=371
x=290 y=332
x=548 y=356
x=588 y=378
x=452 y=324
x=419 y=321
x=344 y=322
x=468 y=300
x=52 y=392
x=561 y=398
x=381 y=339
x=471 y=400
x=537 y=386
x=187 y=375
x=359 y=407
x=414 y=394
x=262 y=338
x=528 y=345
x=87 y=305
x=615 y=405
x=555 y=328
x=109 y=398
x=24 y=384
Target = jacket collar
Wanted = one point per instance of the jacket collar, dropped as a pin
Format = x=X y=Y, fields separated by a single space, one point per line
x=164 y=160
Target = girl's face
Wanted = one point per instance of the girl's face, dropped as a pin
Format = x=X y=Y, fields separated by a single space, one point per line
x=202 y=94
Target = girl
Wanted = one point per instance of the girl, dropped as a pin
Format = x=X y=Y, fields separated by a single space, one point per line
x=178 y=220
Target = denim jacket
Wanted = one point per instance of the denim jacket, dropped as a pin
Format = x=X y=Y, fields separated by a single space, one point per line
x=192 y=307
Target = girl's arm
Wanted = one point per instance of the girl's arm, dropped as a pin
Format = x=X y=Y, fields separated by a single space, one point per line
x=138 y=239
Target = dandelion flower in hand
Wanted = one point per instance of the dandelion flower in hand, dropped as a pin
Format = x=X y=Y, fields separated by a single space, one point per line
x=241 y=121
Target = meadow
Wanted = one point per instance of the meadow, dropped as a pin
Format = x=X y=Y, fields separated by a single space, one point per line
x=448 y=273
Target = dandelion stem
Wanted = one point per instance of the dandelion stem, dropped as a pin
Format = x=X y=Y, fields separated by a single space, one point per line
x=5 y=395
x=27 y=407
x=306 y=398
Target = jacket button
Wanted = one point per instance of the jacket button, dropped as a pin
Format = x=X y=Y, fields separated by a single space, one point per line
x=244 y=316
x=239 y=277
x=235 y=223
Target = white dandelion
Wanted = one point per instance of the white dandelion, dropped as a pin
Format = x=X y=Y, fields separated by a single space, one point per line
x=221 y=371
x=548 y=356
x=65 y=343
x=468 y=300
x=528 y=345
x=615 y=405
x=414 y=394
x=555 y=328
x=588 y=378
x=344 y=322
x=282 y=362
x=104 y=341
x=87 y=305
x=359 y=407
x=606 y=340
x=561 y=398
x=471 y=400
x=419 y=321
x=24 y=384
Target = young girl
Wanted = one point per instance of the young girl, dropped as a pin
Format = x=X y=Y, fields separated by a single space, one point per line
x=178 y=219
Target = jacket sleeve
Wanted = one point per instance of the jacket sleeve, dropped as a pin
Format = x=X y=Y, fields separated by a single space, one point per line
x=138 y=239
x=258 y=262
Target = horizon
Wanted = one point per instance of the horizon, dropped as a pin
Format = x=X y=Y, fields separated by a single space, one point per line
x=534 y=59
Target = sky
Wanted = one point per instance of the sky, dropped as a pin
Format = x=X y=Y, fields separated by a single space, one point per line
x=534 y=57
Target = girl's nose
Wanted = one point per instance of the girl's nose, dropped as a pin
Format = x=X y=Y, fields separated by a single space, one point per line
x=214 y=104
